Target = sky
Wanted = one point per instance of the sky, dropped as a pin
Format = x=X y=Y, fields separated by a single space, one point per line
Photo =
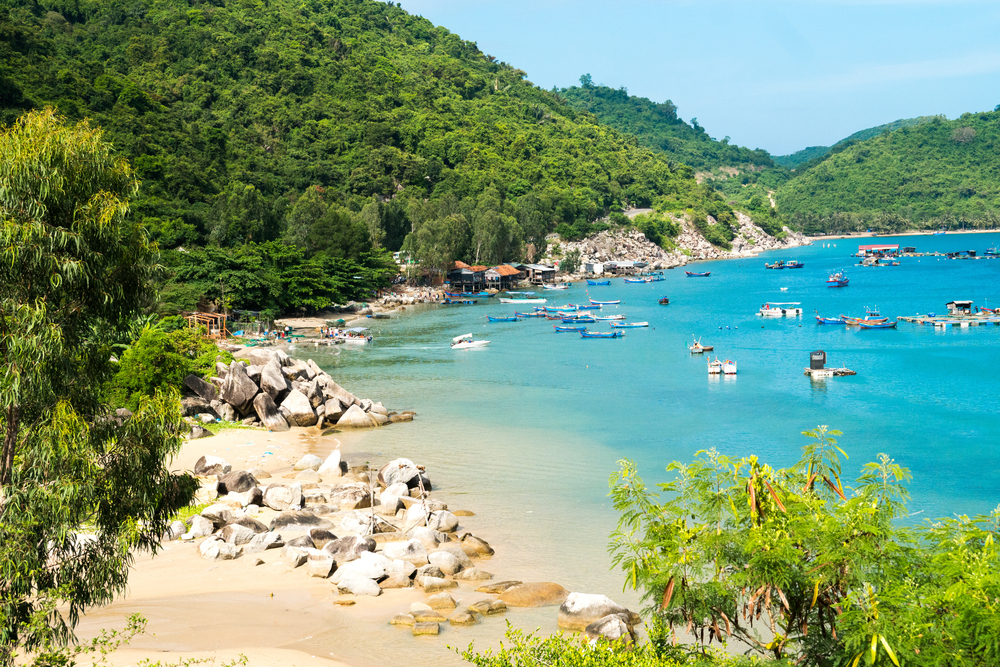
x=777 y=75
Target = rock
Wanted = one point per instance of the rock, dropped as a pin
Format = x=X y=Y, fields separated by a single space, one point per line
x=389 y=505
x=355 y=417
x=280 y=497
x=429 y=571
x=319 y=565
x=207 y=418
x=378 y=408
x=259 y=473
x=443 y=521
x=236 y=534
x=441 y=601
x=218 y=514
x=445 y=561
x=249 y=522
x=351 y=497
x=397 y=419
x=431 y=539
x=331 y=466
x=321 y=537
x=268 y=413
x=463 y=617
x=398 y=489
x=475 y=547
x=396 y=580
x=273 y=382
x=238 y=390
x=259 y=356
x=298 y=520
x=301 y=542
x=612 y=627
x=333 y=410
x=211 y=465
x=488 y=607
x=308 y=462
x=213 y=548
x=333 y=390
x=253 y=496
x=300 y=412
x=253 y=372
x=308 y=476
x=293 y=557
x=422 y=629
x=359 y=586
x=174 y=530
x=536 y=594
x=411 y=551
x=428 y=616
x=402 y=619
x=403 y=471
x=349 y=548
x=473 y=574
x=238 y=481
x=200 y=527
x=264 y=541
x=205 y=390
x=461 y=513
x=435 y=584
x=228 y=413
x=192 y=406
x=377 y=419
x=579 y=610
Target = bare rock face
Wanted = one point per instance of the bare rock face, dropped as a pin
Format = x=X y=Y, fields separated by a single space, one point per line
x=205 y=390
x=211 y=465
x=333 y=390
x=238 y=390
x=268 y=413
x=273 y=382
x=299 y=409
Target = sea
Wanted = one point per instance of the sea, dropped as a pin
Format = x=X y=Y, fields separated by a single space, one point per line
x=527 y=431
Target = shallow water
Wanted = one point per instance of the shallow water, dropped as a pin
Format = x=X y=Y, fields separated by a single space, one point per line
x=526 y=431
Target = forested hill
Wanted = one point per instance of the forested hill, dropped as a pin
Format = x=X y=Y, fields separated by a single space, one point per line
x=657 y=126
x=250 y=121
x=938 y=172
x=809 y=157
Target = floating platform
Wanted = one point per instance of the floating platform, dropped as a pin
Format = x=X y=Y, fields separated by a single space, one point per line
x=950 y=321
x=828 y=372
x=316 y=342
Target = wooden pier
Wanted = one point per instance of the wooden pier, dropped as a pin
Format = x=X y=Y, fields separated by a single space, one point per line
x=951 y=321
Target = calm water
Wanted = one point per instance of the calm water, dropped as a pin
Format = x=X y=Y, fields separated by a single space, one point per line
x=526 y=431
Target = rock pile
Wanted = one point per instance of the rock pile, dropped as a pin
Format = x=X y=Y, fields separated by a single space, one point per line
x=624 y=245
x=277 y=392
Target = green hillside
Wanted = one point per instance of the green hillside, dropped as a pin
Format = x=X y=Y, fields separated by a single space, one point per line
x=936 y=172
x=800 y=157
x=657 y=126
x=810 y=157
x=325 y=127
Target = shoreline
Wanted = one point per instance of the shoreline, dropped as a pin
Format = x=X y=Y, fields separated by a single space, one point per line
x=921 y=232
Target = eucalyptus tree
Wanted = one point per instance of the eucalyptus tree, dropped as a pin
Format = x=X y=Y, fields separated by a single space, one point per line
x=80 y=490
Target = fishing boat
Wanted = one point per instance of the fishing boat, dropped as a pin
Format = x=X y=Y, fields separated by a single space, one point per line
x=697 y=348
x=605 y=303
x=655 y=279
x=593 y=306
x=555 y=287
x=628 y=325
x=729 y=367
x=690 y=274
x=502 y=319
x=636 y=280
x=830 y=320
x=714 y=367
x=355 y=335
x=378 y=316
x=560 y=309
x=596 y=283
x=601 y=334
x=992 y=252
x=523 y=300
x=878 y=325
x=459 y=302
x=522 y=293
x=564 y=329
x=585 y=318
x=837 y=279
x=608 y=318
x=794 y=264
x=466 y=295
x=780 y=264
x=529 y=314
x=465 y=342
x=940 y=232
x=663 y=301
x=553 y=317
x=780 y=309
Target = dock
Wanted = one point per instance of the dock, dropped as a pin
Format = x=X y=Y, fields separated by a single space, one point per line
x=951 y=321
x=828 y=372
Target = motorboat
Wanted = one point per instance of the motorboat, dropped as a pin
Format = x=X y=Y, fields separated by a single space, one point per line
x=663 y=301
x=529 y=314
x=459 y=302
x=794 y=264
x=465 y=342
x=502 y=319
x=595 y=283
x=690 y=274
x=628 y=325
x=355 y=335
x=830 y=320
x=780 y=309
x=697 y=348
x=837 y=279
x=608 y=318
x=601 y=334
x=714 y=367
x=728 y=367
x=565 y=329
x=555 y=287
x=523 y=300
x=780 y=264
x=878 y=325
x=605 y=303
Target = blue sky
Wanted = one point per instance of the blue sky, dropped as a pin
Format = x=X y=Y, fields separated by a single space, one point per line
x=778 y=75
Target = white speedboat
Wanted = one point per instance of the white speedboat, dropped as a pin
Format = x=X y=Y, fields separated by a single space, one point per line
x=552 y=287
x=465 y=342
x=780 y=309
x=608 y=318
x=523 y=300
x=715 y=367
x=729 y=367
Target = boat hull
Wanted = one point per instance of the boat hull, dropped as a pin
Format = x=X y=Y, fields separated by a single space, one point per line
x=599 y=334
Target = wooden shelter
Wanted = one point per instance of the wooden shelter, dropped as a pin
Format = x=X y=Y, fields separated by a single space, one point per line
x=538 y=274
x=465 y=278
x=503 y=277
x=214 y=323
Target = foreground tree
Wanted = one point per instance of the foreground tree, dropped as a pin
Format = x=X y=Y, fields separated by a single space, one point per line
x=793 y=564
x=79 y=491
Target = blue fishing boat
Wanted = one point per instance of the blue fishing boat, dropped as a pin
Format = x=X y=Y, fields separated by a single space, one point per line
x=794 y=264
x=605 y=303
x=878 y=325
x=465 y=295
x=992 y=252
x=560 y=329
x=522 y=293
x=502 y=319
x=837 y=279
x=593 y=306
x=560 y=309
x=571 y=320
x=595 y=283
x=698 y=275
x=664 y=300
x=601 y=334
x=529 y=314
x=459 y=302
x=628 y=325
x=830 y=320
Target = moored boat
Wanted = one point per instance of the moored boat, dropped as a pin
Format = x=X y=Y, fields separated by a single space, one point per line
x=555 y=287
x=565 y=329
x=780 y=309
x=628 y=325
x=794 y=264
x=691 y=274
x=878 y=325
x=523 y=300
x=608 y=318
x=459 y=302
x=663 y=301
x=583 y=318
x=593 y=306
x=697 y=348
x=780 y=264
x=355 y=335
x=636 y=280
x=729 y=367
x=595 y=283
x=529 y=314
x=601 y=334
x=605 y=303
x=837 y=279
x=714 y=367
x=830 y=320
x=502 y=319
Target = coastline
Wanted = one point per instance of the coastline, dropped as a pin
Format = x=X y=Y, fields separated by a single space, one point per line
x=920 y=232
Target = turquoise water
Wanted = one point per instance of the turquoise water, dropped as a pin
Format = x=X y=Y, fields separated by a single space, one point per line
x=526 y=431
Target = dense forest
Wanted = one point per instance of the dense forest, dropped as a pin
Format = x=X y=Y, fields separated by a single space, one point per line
x=808 y=157
x=938 y=173
x=340 y=128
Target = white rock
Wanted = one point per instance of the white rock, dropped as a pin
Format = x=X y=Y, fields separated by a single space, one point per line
x=411 y=551
x=308 y=462
x=331 y=466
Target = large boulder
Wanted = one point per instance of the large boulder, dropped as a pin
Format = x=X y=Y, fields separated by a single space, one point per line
x=613 y=627
x=211 y=465
x=280 y=497
x=215 y=548
x=355 y=417
x=475 y=547
x=319 y=565
x=265 y=408
x=579 y=610
x=349 y=548
x=264 y=541
x=355 y=496
x=298 y=519
x=205 y=390
x=331 y=466
x=300 y=411
x=360 y=586
x=333 y=410
x=333 y=390
x=445 y=561
x=236 y=534
x=367 y=565
x=411 y=551
x=194 y=405
x=431 y=539
x=273 y=382
x=308 y=462
x=238 y=390
x=535 y=594
x=259 y=356
x=249 y=522
x=253 y=372
x=237 y=481
x=403 y=471
x=200 y=527
x=443 y=521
